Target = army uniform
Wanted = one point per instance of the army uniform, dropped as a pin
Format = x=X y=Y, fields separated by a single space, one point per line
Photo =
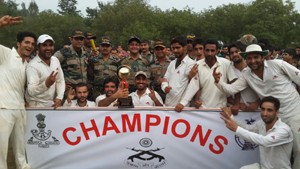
x=158 y=71
x=73 y=65
x=149 y=57
x=140 y=64
x=99 y=70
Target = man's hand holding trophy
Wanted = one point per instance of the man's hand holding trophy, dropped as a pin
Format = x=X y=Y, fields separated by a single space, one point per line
x=123 y=73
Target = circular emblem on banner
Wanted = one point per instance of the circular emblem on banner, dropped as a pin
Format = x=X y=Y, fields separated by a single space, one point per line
x=145 y=142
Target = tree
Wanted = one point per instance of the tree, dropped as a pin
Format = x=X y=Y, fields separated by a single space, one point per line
x=68 y=7
x=33 y=8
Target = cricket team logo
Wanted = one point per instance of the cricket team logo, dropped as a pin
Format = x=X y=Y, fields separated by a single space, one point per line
x=244 y=144
x=146 y=158
x=40 y=136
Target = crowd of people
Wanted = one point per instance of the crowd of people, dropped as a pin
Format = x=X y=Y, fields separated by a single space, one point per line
x=192 y=72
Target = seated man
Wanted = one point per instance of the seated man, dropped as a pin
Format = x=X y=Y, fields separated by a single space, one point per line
x=274 y=137
x=143 y=96
x=112 y=93
x=81 y=92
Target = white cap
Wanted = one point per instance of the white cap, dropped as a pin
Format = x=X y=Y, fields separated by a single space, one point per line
x=43 y=38
x=141 y=73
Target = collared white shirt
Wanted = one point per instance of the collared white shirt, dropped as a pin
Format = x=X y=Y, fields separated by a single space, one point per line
x=177 y=79
x=211 y=96
x=145 y=99
x=12 y=79
x=275 y=145
x=37 y=93
x=103 y=96
x=247 y=95
x=277 y=81
x=74 y=103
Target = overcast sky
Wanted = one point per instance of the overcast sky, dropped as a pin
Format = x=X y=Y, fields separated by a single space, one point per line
x=196 y=5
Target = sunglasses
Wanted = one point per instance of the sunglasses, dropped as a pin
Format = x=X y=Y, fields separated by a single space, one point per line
x=78 y=38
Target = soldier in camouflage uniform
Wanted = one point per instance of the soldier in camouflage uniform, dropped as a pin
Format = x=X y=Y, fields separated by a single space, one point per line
x=92 y=50
x=101 y=67
x=74 y=60
x=145 y=51
x=159 y=67
x=135 y=61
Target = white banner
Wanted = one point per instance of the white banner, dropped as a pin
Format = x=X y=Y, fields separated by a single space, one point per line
x=135 y=138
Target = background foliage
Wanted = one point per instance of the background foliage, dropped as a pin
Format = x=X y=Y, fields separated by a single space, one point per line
x=276 y=20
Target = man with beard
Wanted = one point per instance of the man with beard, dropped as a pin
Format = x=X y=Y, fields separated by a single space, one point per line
x=177 y=77
x=45 y=78
x=246 y=100
x=101 y=67
x=270 y=77
x=12 y=105
x=111 y=93
x=211 y=96
x=275 y=138
x=144 y=96
x=81 y=92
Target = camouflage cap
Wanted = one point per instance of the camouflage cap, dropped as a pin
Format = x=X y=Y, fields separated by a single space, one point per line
x=89 y=35
x=159 y=43
x=105 y=41
x=134 y=38
x=248 y=39
x=77 y=33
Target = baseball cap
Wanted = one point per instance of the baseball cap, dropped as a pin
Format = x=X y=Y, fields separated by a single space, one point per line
x=43 y=38
x=134 y=38
x=77 y=33
x=89 y=35
x=159 y=43
x=105 y=41
x=141 y=73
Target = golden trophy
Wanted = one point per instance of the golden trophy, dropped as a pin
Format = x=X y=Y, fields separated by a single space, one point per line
x=123 y=73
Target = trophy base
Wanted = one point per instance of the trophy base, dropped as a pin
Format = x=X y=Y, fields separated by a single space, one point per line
x=125 y=102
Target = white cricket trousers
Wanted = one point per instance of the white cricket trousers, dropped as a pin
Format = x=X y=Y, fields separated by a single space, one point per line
x=12 y=125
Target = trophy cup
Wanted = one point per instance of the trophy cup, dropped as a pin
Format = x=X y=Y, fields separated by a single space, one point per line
x=123 y=72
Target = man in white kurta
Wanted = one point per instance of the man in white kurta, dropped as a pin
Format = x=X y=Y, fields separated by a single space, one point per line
x=38 y=94
x=12 y=104
x=276 y=80
x=211 y=96
x=177 y=74
x=275 y=138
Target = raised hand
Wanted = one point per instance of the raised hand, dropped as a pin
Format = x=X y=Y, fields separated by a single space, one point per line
x=217 y=75
x=10 y=20
x=51 y=79
x=70 y=94
x=152 y=94
x=193 y=71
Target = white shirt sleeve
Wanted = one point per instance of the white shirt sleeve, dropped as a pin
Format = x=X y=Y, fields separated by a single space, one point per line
x=191 y=90
x=166 y=76
x=231 y=89
x=60 y=83
x=274 y=138
x=292 y=72
x=35 y=87
x=4 y=53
